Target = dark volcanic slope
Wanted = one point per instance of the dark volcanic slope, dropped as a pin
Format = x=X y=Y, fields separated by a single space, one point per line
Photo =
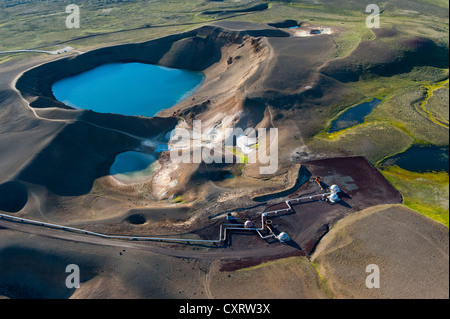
x=78 y=155
x=290 y=79
x=386 y=58
x=13 y=197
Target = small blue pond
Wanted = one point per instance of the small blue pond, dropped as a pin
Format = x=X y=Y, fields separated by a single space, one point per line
x=421 y=158
x=133 y=164
x=353 y=116
x=127 y=88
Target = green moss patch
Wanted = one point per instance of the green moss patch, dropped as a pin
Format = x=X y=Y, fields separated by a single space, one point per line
x=426 y=193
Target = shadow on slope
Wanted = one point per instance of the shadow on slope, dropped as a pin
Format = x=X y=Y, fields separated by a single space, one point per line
x=31 y=274
x=13 y=197
x=81 y=153
x=387 y=58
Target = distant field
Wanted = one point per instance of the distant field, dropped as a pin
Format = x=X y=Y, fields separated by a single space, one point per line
x=38 y=24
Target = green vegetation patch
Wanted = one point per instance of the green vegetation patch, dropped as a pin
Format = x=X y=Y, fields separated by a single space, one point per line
x=35 y=24
x=435 y=104
x=404 y=109
x=375 y=141
x=426 y=193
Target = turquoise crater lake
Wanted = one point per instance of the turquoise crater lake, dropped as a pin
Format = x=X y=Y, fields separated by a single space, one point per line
x=127 y=88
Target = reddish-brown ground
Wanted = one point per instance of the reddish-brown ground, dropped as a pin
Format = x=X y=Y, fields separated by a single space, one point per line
x=361 y=185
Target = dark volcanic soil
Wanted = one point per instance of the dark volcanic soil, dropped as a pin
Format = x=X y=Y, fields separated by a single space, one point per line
x=362 y=186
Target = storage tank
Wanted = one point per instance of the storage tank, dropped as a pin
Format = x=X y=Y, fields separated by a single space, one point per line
x=283 y=237
x=248 y=224
x=333 y=198
x=335 y=189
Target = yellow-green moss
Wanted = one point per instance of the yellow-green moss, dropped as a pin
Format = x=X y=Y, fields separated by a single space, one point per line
x=426 y=193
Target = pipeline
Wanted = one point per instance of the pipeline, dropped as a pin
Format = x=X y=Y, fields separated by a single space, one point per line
x=222 y=234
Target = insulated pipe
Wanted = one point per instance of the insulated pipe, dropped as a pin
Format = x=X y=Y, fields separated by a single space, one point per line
x=222 y=233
